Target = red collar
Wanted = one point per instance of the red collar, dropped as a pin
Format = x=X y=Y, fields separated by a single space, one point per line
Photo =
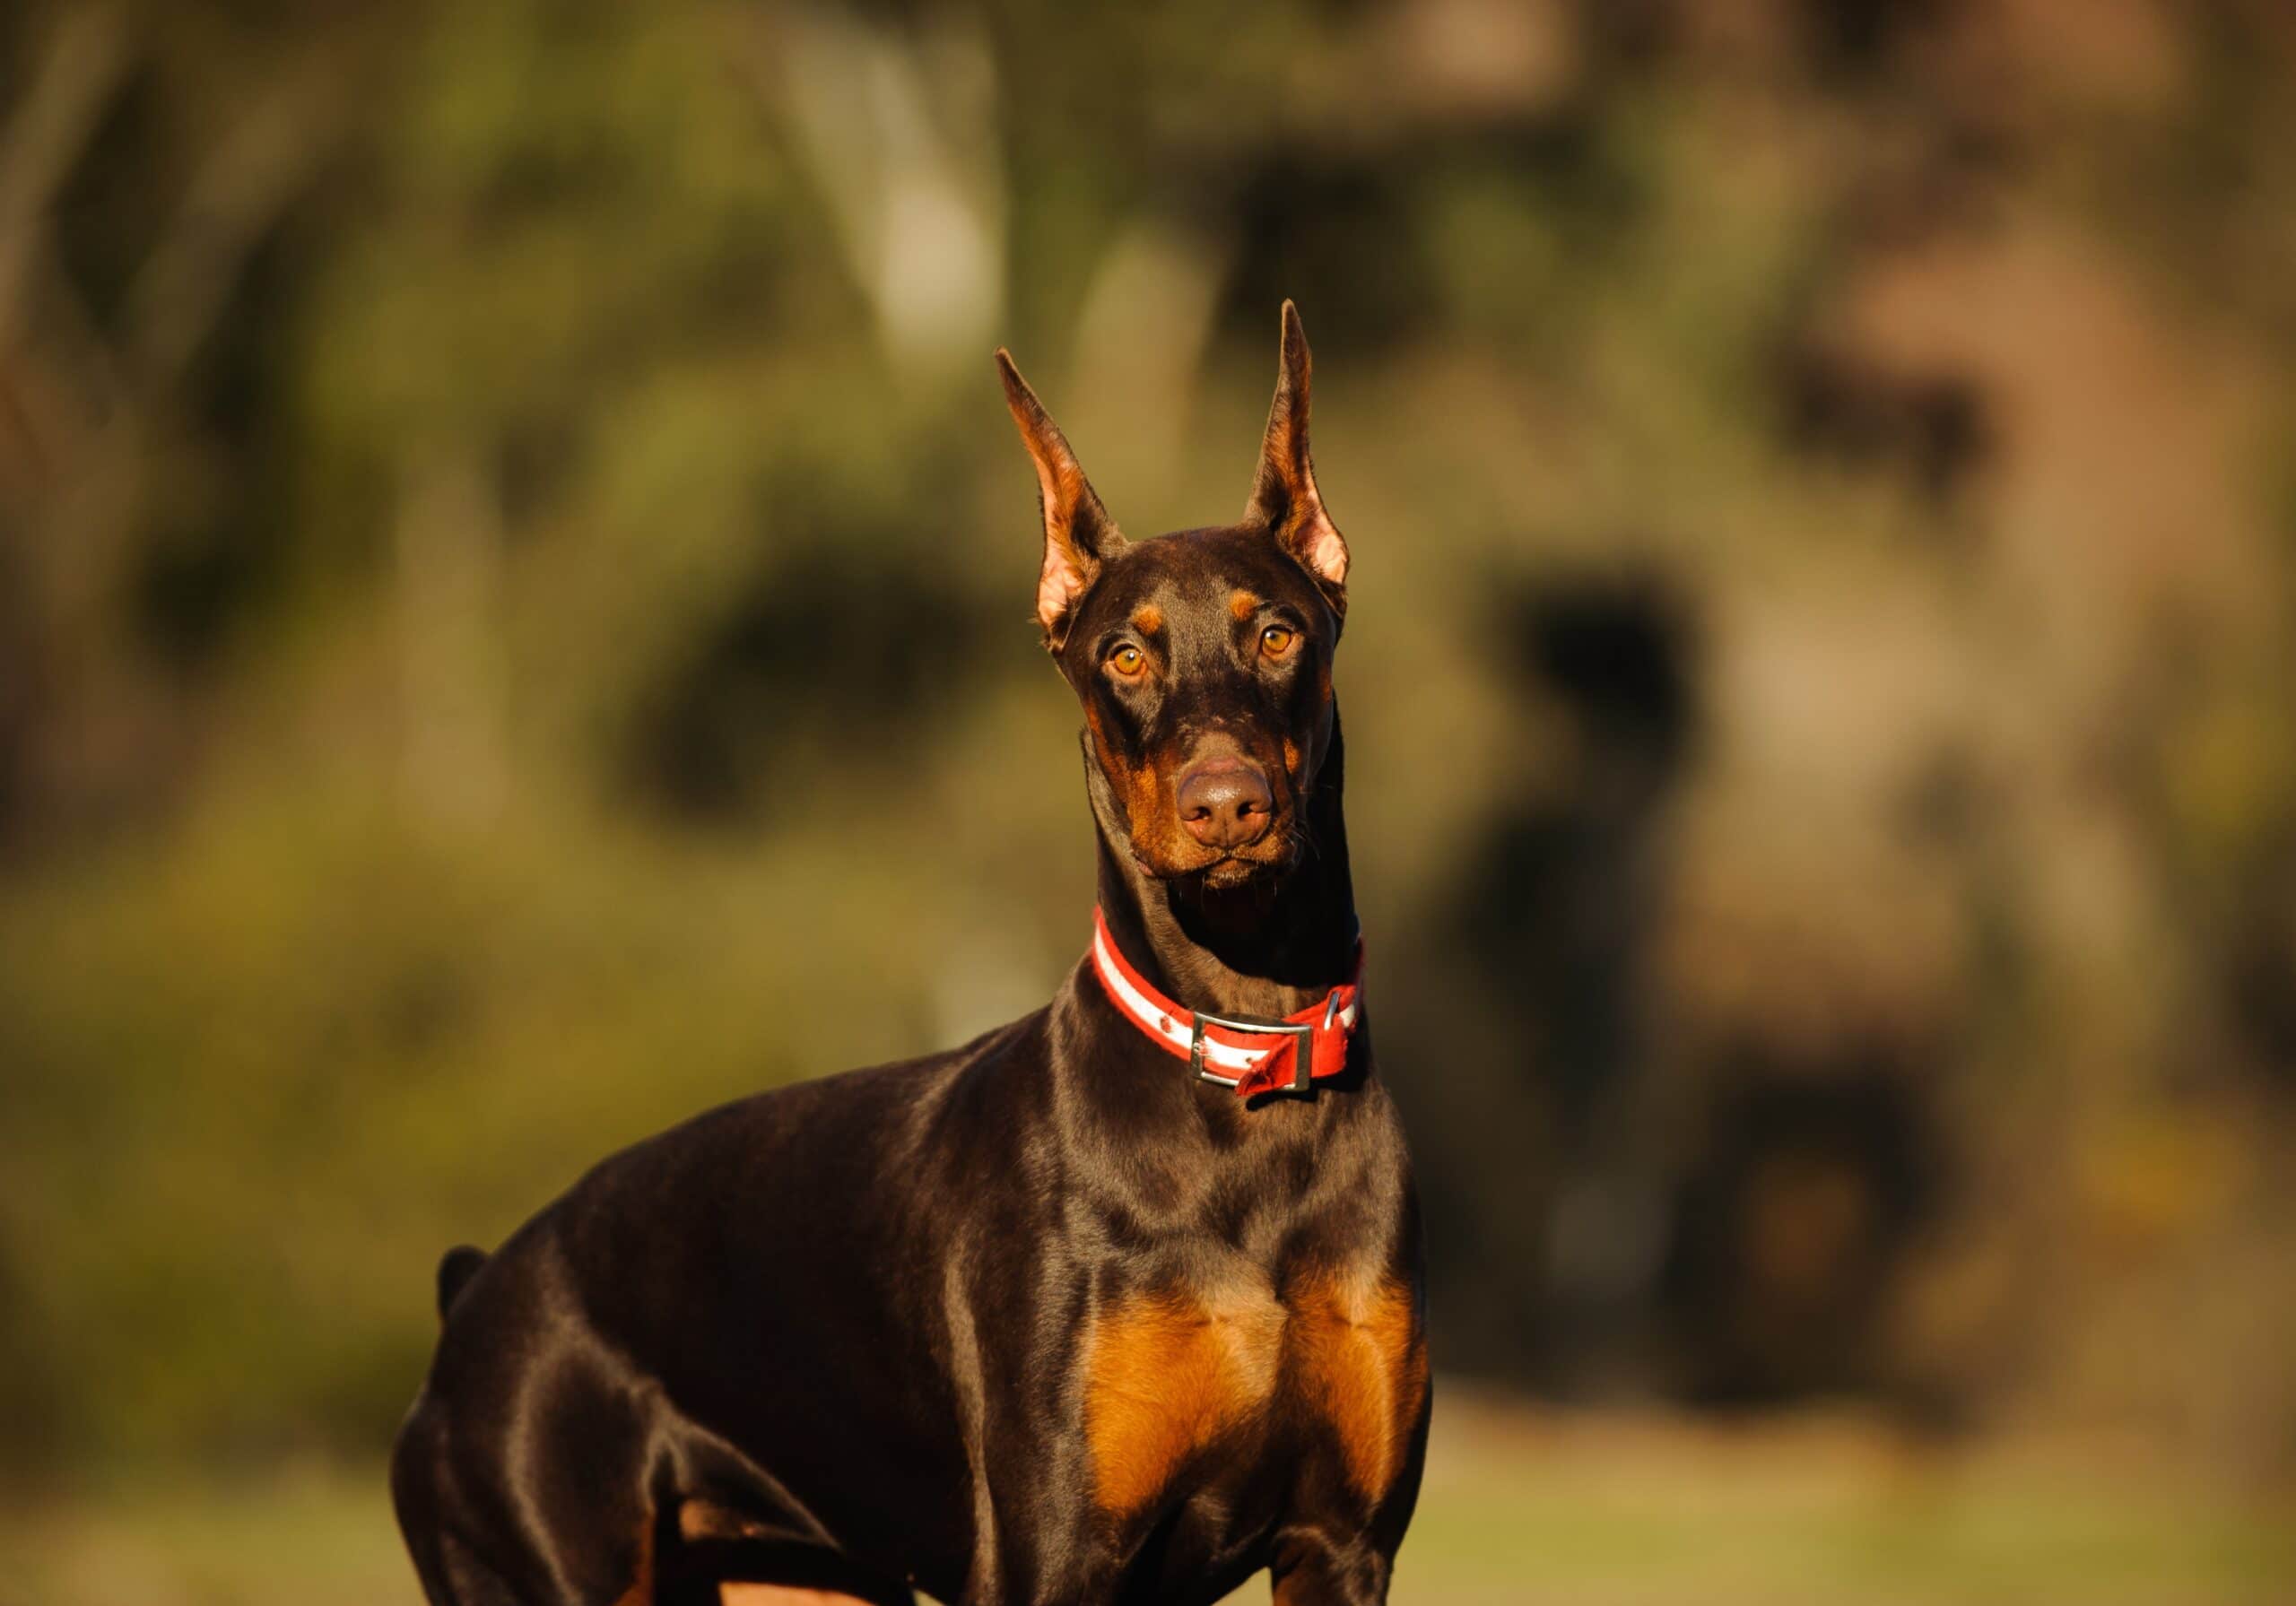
x=1251 y=1056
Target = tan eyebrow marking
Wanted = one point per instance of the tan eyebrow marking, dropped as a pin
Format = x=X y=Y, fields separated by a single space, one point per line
x=1243 y=604
x=1148 y=619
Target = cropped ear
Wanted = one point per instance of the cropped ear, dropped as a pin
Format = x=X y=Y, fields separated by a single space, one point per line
x=1284 y=492
x=1079 y=535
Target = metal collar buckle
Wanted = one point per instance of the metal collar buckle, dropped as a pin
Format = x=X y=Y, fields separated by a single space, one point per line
x=1303 y=1033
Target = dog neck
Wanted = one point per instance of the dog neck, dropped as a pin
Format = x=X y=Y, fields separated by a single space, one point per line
x=1264 y=949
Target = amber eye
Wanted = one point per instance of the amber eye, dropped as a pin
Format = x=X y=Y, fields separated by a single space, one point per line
x=1275 y=640
x=1127 y=662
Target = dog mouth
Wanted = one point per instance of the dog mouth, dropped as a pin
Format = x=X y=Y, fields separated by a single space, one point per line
x=1236 y=871
x=1270 y=856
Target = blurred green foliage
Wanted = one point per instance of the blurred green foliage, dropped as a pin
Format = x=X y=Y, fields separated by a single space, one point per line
x=513 y=627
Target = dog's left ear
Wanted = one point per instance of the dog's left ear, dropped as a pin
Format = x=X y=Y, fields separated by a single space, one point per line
x=1284 y=492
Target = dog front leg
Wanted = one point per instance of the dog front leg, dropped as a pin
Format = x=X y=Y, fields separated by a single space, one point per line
x=1047 y=1561
x=1316 y=1569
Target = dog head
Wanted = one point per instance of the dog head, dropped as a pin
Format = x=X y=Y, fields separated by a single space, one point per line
x=1203 y=658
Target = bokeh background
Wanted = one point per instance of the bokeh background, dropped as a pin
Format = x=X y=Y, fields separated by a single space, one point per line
x=514 y=627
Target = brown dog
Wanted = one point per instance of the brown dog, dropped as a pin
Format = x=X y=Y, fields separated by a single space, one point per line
x=1120 y=1302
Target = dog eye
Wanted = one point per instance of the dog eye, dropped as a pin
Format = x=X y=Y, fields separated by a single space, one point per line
x=1127 y=661
x=1275 y=640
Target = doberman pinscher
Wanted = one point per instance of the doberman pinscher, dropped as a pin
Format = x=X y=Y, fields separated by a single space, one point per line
x=1121 y=1302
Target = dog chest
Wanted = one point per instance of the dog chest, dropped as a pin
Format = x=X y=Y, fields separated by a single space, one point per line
x=1172 y=1373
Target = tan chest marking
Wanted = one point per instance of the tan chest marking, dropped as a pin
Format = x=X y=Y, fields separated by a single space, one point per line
x=1362 y=1362
x=1164 y=1374
x=1167 y=1373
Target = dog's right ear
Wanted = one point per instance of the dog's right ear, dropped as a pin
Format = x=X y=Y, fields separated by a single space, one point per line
x=1079 y=535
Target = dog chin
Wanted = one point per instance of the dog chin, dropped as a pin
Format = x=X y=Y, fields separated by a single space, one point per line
x=1230 y=873
x=1223 y=873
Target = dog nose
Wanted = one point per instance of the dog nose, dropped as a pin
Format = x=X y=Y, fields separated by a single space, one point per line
x=1225 y=802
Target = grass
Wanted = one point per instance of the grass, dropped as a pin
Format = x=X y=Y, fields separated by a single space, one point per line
x=1518 y=1508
